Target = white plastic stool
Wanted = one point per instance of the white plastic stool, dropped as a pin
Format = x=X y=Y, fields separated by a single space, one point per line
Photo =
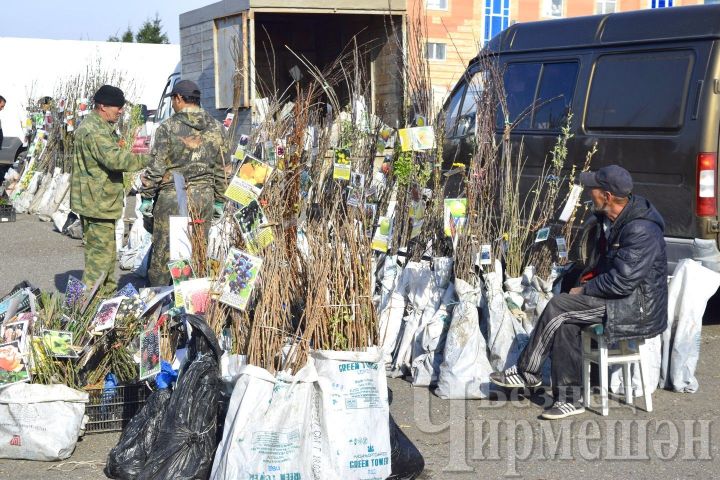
x=626 y=355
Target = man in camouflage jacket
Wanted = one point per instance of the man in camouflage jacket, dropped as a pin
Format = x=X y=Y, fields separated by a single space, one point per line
x=96 y=184
x=193 y=144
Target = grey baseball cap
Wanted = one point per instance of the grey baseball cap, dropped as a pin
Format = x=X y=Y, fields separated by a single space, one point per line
x=613 y=179
x=186 y=88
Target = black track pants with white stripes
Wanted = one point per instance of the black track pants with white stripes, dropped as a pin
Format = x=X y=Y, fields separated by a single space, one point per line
x=557 y=332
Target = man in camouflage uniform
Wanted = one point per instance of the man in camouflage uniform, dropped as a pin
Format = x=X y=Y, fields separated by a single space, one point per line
x=96 y=182
x=193 y=144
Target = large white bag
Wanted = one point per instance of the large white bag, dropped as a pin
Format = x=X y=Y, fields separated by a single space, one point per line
x=506 y=335
x=389 y=277
x=60 y=217
x=139 y=240
x=690 y=289
x=46 y=191
x=465 y=370
x=24 y=198
x=431 y=342
x=390 y=323
x=40 y=422
x=442 y=273
x=355 y=414
x=272 y=428
x=52 y=199
x=219 y=238
x=420 y=292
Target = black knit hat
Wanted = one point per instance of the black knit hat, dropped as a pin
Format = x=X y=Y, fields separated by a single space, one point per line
x=110 y=96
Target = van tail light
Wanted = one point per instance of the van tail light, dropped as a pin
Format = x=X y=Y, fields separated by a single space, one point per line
x=706 y=204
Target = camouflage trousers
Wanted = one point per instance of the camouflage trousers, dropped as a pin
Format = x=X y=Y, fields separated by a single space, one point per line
x=201 y=199
x=100 y=252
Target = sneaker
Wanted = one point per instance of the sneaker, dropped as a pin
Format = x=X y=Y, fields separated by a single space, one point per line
x=512 y=378
x=562 y=410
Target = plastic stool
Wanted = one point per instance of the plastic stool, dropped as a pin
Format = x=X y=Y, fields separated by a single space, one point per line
x=626 y=355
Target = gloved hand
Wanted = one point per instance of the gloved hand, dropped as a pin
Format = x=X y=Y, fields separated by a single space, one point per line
x=146 y=207
x=219 y=209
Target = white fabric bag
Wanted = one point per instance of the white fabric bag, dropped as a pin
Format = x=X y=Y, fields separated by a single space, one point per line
x=390 y=275
x=271 y=428
x=431 y=340
x=52 y=200
x=420 y=290
x=23 y=200
x=506 y=336
x=219 y=237
x=46 y=191
x=465 y=370
x=355 y=413
x=139 y=240
x=40 y=422
x=60 y=217
x=690 y=289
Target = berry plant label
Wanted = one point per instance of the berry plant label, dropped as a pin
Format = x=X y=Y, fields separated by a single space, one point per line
x=105 y=316
x=149 y=352
x=180 y=271
x=238 y=278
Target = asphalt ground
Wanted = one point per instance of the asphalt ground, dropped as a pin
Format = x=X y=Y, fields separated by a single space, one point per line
x=493 y=439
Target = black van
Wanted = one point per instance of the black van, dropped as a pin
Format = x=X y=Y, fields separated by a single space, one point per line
x=644 y=85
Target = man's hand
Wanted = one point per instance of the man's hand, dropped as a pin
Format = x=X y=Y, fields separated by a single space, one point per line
x=219 y=209
x=146 y=207
x=577 y=291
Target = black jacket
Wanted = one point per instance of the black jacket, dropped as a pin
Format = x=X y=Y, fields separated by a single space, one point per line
x=632 y=273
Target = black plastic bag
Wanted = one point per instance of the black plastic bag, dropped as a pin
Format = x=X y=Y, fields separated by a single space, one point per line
x=406 y=461
x=185 y=446
x=127 y=459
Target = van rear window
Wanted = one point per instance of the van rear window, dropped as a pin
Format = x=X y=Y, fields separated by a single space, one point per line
x=639 y=91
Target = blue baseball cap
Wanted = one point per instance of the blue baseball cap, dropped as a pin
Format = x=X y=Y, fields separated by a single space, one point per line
x=613 y=179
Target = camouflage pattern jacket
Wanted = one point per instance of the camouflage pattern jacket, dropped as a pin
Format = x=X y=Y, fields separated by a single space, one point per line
x=96 y=184
x=191 y=143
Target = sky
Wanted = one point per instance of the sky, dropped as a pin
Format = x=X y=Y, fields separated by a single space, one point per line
x=89 y=19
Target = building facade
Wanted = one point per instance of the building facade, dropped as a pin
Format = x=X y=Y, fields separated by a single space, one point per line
x=457 y=29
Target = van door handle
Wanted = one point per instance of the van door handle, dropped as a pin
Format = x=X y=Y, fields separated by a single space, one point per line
x=697 y=99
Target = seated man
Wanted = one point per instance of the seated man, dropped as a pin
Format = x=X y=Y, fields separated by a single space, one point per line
x=625 y=288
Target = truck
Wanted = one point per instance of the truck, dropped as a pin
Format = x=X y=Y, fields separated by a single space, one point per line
x=318 y=30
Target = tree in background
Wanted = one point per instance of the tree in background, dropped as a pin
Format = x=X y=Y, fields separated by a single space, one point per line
x=127 y=37
x=150 y=32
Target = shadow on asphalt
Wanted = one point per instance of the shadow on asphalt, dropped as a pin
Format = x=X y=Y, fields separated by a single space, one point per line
x=712 y=311
x=61 y=279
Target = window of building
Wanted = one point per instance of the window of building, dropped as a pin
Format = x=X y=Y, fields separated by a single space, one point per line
x=605 y=6
x=497 y=18
x=437 y=4
x=435 y=51
x=553 y=8
x=639 y=92
x=661 y=3
x=712 y=2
